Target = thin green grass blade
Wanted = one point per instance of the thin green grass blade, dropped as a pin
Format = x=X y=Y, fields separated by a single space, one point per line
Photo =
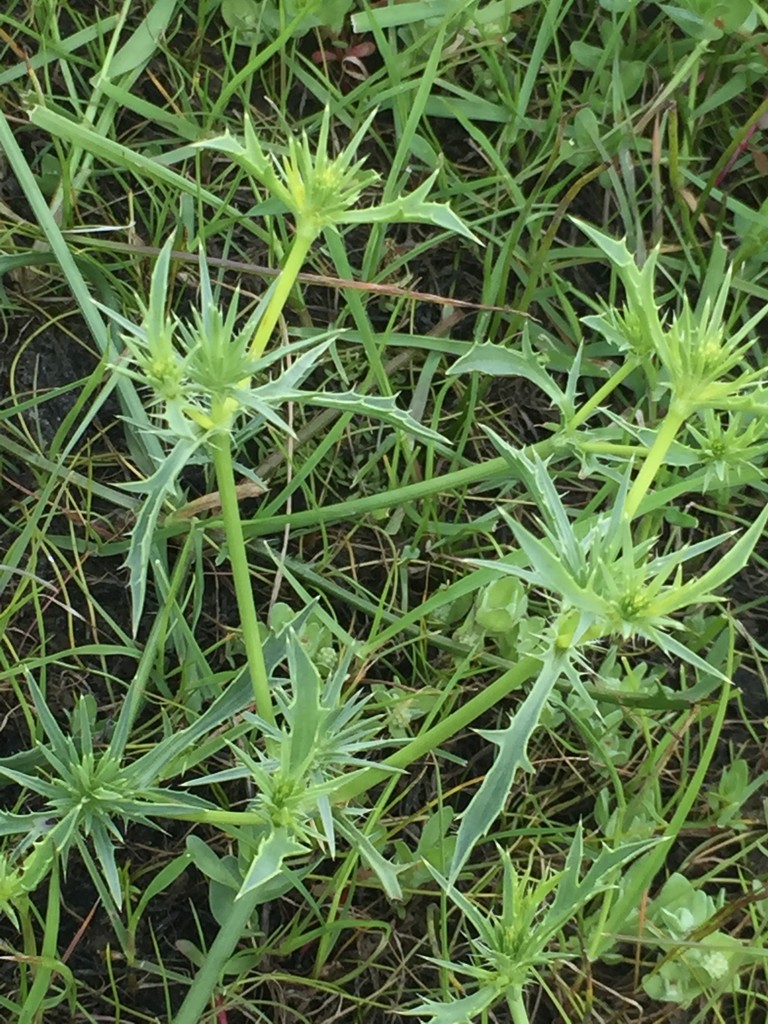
x=131 y=401
x=138 y=49
x=129 y=159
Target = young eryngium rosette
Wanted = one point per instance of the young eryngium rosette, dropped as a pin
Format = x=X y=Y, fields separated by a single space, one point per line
x=196 y=369
x=699 y=360
x=322 y=193
x=604 y=586
x=318 y=190
x=513 y=942
x=206 y=374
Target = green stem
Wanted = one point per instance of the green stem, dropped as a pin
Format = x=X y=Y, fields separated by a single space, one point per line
x=596 y=401
x=238 y=558
x=665 y=435
x=192 y=1009
x=624 y=451
x=30 y=949
x=497 y=469
x=354 y=302
x=283 y=287
x=517 y=1006
x=483 y=472
x=48 y=961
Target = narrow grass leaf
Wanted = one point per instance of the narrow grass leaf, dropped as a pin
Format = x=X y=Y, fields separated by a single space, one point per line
x=131 y=159
x=75 y=281
x=63 y=49
x=137 y=50
x=164 y=878
x=457 y=108
x=397 y=15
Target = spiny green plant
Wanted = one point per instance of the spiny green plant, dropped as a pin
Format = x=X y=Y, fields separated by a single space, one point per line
x=510 y=946
x=514 y=622
x=87 y=792
x=606 y=586
x=204 y=376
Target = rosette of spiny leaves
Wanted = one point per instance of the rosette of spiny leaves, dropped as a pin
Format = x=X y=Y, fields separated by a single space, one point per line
x=603 y=585
x=317 y=189
x=205 y=376
x=199 y=371
x=510 y=945
x=704 y=360
x=603 y=582
x=699 y=354
x=323 y=191
x=733 y=447
x=91 y=791
x=696 y=361
x=301 y=760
